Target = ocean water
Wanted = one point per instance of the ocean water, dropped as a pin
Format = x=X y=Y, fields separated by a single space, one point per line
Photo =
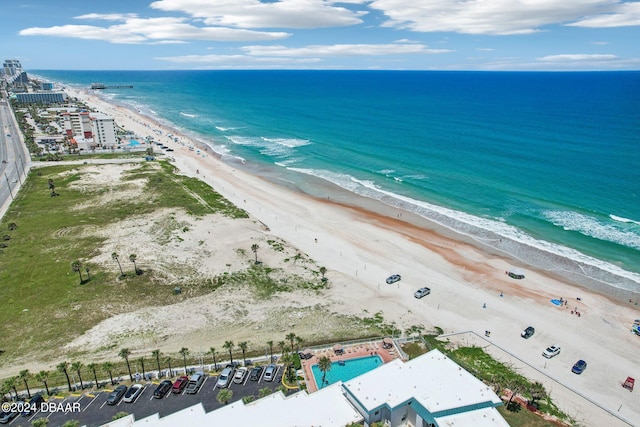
x=543 y=166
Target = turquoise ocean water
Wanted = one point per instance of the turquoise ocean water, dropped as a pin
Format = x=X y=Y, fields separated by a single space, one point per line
x=543 y=166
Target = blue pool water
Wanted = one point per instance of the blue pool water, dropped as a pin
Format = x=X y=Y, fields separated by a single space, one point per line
x=134 y=142
x=351 y=369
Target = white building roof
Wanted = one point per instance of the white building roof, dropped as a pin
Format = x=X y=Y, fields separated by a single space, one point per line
x=433 y=380
x=486 y=417
x=326 y=407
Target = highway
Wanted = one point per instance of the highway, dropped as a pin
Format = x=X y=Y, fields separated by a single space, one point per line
x=14 y=161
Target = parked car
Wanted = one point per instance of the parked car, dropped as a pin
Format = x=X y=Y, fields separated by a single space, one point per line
x=256 y=373
x=116 y=395
x=6 y=417
x=422 y=292
x=34 y=405
x=393 y=278
x=528 y=333
x=132 y=394
x=180 y=384
x=579 y=367
x=224 y=379
x=270 y=372
x=551 y=351
x=162 y=389
x=195 y=382
x=241 y=374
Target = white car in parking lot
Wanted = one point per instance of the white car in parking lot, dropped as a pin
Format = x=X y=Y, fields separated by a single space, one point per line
x=270 y=372
x=422 y=292
x=132 y=394
x=551 y=351
x=241 y=374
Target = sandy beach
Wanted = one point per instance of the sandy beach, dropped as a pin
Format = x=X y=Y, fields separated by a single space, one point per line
x=470 y=290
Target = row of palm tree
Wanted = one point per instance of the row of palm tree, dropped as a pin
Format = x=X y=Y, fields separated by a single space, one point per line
x=65 y=368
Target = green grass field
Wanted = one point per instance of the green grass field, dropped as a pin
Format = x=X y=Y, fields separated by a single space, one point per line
x=44 y=305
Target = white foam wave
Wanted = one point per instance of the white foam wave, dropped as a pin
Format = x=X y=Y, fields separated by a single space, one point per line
x=622 y=219
x=272 y=147
x=592 y=227
x=386 y=172
x=461 y=222
x=226 y=129
x=188 y=115
x=288 y=142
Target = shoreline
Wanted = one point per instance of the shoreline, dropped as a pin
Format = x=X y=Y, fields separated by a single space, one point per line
x=361 y=247
x=577 y=268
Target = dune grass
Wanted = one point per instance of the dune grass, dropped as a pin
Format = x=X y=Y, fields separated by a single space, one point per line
x=44 y=305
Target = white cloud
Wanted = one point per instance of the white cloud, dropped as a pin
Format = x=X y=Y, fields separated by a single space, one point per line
x=622 y=15
x=151 y=30
x=108 y=16
x=502 y=17
x=484 y=49
x=267 y=14
x=238 y=62
x=577 y=57
x=341 y=50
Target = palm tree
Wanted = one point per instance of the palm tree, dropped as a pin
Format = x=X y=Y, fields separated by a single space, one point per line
x=243 y=346
x=299 y=342
x=156 y=354
x=133 y=258
x=224 y=395
x=125 y=353
x=115 y=257
x=229 y=346
x=254 y=249
x=167 y=360
x=141 y=360
x=76 y=366
x=287 y=360
x=76 y=266
x=291 y=337
x=24 y=374
x=108 y=366
x=92 y=366
x=324 y=364
x=43 y=377
x=281 y=344
x=212 y=350
x=10 y=384
x=323 y=271
x=87 y=270
x=62 y=367
x=184 y=351
x=270 y=344
x=537 y=392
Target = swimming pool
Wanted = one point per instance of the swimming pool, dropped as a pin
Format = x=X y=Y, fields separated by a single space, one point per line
x=133 y=142
x=351 y=369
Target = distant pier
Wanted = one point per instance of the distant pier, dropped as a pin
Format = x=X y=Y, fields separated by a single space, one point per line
x=103 y=86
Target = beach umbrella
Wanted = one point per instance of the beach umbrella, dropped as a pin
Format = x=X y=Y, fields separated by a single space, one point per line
x=337 y=347
x=387 y=341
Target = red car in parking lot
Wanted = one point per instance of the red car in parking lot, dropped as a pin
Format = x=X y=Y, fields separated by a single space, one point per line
x=180 y=384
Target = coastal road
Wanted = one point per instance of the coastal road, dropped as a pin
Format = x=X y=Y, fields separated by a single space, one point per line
x=13 y=160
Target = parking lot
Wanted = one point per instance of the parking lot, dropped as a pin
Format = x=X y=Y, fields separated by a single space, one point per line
x=92 y=409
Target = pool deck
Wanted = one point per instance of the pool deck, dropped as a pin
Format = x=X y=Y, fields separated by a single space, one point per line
x=349 y=352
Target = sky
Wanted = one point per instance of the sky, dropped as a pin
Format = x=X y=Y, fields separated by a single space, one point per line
x=504 y=35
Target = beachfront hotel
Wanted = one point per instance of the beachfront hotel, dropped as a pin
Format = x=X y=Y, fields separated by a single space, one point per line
x=428 y=391
x=90 y=130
